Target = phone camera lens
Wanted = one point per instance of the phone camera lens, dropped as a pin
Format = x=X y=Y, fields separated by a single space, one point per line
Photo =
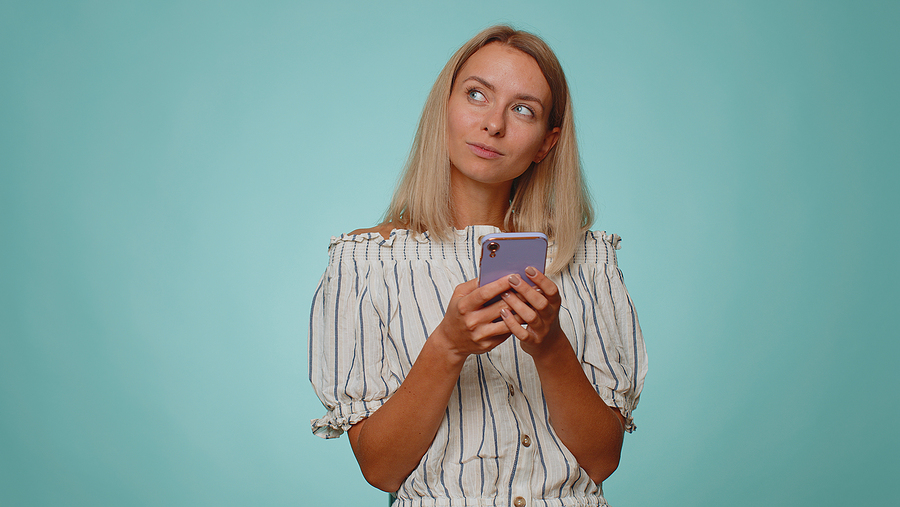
x=493 y=247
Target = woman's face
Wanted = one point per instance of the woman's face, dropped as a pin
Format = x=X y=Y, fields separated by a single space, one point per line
x=498 y=112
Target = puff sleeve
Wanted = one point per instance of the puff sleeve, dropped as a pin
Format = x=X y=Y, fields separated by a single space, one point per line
x=350 y=367
x=607 y=335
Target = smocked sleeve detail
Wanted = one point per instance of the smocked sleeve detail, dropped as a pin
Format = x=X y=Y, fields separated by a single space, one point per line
x=608 y=336
x=350 y=366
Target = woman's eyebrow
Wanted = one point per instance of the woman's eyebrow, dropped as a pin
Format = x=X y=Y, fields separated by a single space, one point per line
x=481 y=80
x=489 y=86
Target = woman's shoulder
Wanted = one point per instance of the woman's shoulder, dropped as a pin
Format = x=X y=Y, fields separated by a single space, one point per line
x=383 y=230
x=381 y=235
x=383 y=242
x=394 y=242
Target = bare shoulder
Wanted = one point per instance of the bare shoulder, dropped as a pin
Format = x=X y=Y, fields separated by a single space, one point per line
x=383 y=229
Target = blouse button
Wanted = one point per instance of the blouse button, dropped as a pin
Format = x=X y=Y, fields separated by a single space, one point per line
x=526 y=440
x=519 y=502
x=510 y=387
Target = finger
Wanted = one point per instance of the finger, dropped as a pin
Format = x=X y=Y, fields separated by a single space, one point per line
x=466 y=288
x=542 y=283
x=534 y=298
x=514 y=327
x=485 y=293
x=522 y=308
x=492 y=343
x=491 y=312
x=492 y=334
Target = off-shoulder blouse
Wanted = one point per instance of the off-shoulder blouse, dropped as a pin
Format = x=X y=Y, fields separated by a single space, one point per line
x=379 y=300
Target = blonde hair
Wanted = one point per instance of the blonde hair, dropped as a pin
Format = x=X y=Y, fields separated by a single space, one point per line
x=550 y=197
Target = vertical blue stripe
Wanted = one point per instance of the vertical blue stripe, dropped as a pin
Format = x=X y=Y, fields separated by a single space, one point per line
x=388 y=336
x=580 y=299
x=437 y=292
x=485 y=400
x=383 y=360
x=567 y=482
x=400 y=316
x=362 y=345
x=350 y=371
x=446 y=446
x=634 y=346
x=599 y=334
x=337 y=306
x=312 y=311
x=612 y=301
x=462 y=437
x=412 y=286
x=537 y=440
x=471 y=248
x=459 y=262
x=515 y=465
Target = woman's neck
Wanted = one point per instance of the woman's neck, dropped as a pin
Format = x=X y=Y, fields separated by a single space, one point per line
x=478 y=204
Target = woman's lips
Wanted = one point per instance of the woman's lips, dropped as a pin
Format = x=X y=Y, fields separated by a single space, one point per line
x=483 y=150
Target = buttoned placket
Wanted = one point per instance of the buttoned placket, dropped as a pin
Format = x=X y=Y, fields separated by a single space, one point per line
x=521 y=485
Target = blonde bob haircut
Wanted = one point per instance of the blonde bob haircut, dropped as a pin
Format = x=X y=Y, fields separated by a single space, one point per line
x=549 y=197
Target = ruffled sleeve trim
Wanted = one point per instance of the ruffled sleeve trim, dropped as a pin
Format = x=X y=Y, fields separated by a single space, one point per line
x=333 y=424
x=619 y=401
x=613 y=240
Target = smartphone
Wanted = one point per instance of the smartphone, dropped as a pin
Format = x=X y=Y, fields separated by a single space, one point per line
x=503 y=254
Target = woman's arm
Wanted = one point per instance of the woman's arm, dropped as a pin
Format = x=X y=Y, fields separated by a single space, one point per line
x=589 y=428
x=390 y=443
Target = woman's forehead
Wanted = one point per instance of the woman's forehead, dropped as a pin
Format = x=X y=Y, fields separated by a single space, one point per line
x=503 y=65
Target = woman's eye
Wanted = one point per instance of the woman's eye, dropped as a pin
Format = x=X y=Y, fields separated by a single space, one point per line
x=525 y=110
x=476 y=95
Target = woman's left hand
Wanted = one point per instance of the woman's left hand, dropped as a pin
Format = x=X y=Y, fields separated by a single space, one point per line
x=538 y=307
x=590 y=429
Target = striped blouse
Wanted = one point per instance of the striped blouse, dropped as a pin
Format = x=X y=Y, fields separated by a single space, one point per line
x=380 y=299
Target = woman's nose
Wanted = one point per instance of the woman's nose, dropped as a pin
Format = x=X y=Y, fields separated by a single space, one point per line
x=495 y=122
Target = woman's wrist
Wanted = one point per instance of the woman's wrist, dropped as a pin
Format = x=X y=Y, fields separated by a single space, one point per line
x=442 y=349
x=553 y=351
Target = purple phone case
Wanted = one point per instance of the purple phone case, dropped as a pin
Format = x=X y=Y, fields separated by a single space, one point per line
x=515 y=251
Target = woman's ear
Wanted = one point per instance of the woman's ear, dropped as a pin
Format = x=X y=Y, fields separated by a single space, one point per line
x=550 y=140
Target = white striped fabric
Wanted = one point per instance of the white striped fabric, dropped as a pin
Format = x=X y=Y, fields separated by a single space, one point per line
x=378 y=302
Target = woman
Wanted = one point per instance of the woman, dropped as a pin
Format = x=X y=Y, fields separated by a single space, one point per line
x=446 y=400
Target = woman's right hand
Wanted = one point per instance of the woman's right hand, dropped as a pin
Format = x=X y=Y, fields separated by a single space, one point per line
x=468 y=326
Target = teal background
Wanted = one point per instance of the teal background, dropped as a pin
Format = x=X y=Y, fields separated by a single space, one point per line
x=171 y=172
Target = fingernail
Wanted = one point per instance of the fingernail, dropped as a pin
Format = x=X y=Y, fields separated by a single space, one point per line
x=505 y=295
x=504 y=312
x=530 y=271
x=514 y=279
